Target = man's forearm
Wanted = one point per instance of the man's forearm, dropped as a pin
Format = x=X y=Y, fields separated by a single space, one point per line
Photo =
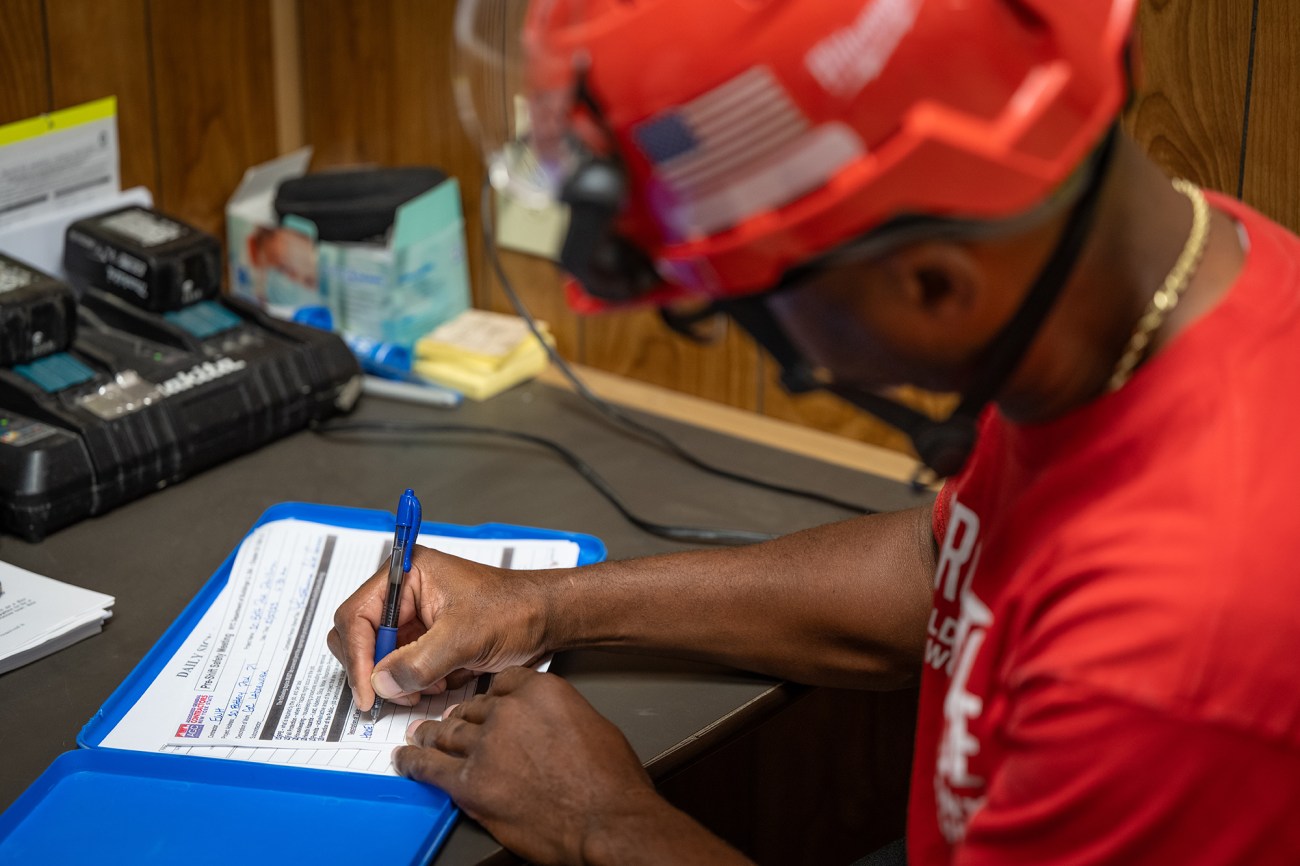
x=648 y=830
x=843 y=604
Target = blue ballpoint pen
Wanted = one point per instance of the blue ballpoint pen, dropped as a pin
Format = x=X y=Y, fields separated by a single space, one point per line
x=399 y=563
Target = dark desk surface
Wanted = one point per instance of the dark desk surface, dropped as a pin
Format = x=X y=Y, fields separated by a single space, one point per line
x=153 y=555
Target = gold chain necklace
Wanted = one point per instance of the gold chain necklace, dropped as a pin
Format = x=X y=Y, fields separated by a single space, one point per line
x=1163 y=301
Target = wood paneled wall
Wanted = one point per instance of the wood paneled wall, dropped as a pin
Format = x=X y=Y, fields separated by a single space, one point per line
x=206 y=89
x=1271 y=164
x=192 y=79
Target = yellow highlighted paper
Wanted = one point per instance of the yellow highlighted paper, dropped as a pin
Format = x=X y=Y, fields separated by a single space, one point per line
x=55 y=121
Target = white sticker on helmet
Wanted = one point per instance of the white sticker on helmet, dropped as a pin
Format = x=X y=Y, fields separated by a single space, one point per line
x=739 y=149
x=706 y=143
x=852 y=57
x=795 y=169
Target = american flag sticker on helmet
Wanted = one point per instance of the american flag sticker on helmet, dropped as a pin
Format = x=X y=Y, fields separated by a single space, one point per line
x=702 y=145
x=739 y=149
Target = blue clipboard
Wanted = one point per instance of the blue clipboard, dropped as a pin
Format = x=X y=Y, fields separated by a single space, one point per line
x=112 y=805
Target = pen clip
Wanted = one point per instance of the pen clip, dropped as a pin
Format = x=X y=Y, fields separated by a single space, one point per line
x=409 y=517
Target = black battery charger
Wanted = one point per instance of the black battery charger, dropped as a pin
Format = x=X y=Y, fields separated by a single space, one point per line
x=149 y=388
x=158 y=263
x=36 y=313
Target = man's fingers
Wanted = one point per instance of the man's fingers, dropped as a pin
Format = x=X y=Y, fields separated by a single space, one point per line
x=511 y=679
x=436 y=689
x=335 y=644
x=474 y=709
x=456 y=679
x=356 y=653
x=352 y=640
x=359 y=651
x=384 y=686
x=409 y=631
x=453 y=736
x=429 y=765
x=405 y=700
x=418 y=666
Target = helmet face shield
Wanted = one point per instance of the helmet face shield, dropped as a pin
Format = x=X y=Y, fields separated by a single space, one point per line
x=519 y=110
x=755 y=135
x=711 y=151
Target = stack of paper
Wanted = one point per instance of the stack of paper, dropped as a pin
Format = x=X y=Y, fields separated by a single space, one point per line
x=39 y=616
x=481 y=353
x=255 y=679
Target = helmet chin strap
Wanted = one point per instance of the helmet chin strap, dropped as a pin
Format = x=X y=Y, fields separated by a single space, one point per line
x=944 y=445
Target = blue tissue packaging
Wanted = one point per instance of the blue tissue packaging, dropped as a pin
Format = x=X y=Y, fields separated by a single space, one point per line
x=394 y=289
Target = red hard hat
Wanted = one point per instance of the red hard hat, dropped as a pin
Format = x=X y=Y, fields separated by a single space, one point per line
x=756 y=134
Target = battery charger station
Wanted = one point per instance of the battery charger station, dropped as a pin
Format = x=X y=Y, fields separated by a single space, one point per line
x=141 y=375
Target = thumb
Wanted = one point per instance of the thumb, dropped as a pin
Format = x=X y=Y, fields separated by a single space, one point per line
x=419 y=665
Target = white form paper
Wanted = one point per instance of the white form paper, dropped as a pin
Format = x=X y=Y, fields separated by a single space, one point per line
x=255 y=680
x=58 y=159
x=39 y=615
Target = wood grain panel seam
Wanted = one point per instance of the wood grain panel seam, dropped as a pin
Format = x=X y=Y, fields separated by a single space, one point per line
x=1250 y=82
x=159 y=194
x=49 y=64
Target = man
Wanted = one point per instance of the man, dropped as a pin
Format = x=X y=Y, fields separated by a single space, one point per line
x=1102 y=606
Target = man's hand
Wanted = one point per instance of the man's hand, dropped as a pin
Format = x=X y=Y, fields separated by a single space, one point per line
x=551 y=779
x=458 y=618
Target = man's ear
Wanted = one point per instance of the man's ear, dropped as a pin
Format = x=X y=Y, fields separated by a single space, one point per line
x=940 y=281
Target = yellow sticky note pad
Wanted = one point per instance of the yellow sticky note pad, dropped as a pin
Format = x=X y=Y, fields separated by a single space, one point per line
x=477 y=339
x=478 y=383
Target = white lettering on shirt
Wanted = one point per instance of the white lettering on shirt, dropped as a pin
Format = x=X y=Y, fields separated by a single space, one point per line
x=953 y=645
x=958 y=547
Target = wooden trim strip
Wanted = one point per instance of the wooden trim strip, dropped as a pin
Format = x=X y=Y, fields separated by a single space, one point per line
x=287 y=70
x=742 y=424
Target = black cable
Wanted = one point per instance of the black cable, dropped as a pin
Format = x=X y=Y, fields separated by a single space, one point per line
x=614 y=413
x=589 y=474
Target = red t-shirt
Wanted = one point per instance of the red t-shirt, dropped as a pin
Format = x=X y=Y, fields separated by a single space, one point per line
x=1112 y=673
